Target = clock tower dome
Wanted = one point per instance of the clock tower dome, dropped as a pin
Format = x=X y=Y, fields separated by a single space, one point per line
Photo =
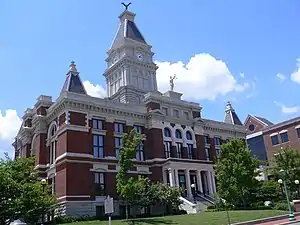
x=131 y=72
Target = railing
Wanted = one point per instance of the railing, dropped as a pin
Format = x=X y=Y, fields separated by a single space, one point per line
x=206 y=197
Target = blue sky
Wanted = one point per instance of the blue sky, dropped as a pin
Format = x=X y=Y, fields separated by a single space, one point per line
x=255 y=42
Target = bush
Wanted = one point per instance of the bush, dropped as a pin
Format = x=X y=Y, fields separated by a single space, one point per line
x=281 y=206
x=72 y=219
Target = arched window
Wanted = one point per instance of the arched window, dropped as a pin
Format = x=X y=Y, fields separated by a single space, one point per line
x=189 y=135
x=52 y=141
x=53 y=131
x=167 y=132
x=178 y=134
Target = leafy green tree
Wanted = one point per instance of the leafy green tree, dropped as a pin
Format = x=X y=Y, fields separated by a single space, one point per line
x=266 y=191
x=236 y=173
x=140 y=192
x=287 y=166
x=21 y=194
x=126 y=184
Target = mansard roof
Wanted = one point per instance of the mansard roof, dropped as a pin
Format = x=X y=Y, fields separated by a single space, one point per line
x=127 y=29
x=231 y=116
x=73 y=82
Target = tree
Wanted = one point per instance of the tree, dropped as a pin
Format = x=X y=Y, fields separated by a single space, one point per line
x=140 y=192
x=126 y=186
x=287 y=166
x=21 y=194
x=236 y=173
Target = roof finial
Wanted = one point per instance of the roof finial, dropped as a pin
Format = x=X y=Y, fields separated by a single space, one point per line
x=126 y=5
x=229 y=107
x=73 y=67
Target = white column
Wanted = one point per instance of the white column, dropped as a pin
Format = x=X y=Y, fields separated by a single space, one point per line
x=171 y=177
x=188 y=183
x=199 y=181
x=213 y=182
x=210 y=185
x=164 y=176
x=176 y=178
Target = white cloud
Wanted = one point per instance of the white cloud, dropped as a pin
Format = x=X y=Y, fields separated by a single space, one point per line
x=203 y=77
x=281 y=77
x=9 y=124
x=242 y=75
x=295 y=76
x=287 y=110
x=94 y=90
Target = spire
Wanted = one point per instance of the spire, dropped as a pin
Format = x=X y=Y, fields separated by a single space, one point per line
x=127 y=29
x=73 y=82
x=231 y=116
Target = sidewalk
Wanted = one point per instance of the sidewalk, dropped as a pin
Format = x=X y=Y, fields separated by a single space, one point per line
x=282 y=221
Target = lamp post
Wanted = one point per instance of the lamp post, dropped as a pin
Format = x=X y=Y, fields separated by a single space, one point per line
x=291 y=212
x=43 y=183
x=297 y=183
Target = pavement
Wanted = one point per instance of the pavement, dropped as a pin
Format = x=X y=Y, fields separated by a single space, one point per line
x=282 y=222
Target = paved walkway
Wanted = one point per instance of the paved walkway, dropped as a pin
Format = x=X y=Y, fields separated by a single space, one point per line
x=282 y=221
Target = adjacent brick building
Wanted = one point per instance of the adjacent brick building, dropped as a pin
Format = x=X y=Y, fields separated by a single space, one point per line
x=268 y=138
x=76 y=139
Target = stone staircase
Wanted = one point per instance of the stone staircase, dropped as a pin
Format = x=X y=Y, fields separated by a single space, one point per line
x=197 y=204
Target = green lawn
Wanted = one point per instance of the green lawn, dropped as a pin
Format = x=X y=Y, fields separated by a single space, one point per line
x=205 y=218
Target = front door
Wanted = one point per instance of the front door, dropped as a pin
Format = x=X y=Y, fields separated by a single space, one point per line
x=182 y=183
x=193 y=178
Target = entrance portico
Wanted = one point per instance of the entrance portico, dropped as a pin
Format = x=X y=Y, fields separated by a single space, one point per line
x=202 y=176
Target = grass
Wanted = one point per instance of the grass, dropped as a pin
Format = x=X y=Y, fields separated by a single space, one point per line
x=205 y=218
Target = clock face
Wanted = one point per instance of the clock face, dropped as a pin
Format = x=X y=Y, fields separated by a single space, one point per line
x=140 y=56
x=115 y=59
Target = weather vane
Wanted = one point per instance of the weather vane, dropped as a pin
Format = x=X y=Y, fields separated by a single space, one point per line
x=126 y=5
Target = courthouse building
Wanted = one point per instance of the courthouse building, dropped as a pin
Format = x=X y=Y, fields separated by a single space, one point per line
x=76 y=138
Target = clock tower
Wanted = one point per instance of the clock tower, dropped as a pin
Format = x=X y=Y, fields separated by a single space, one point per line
x=130 y=72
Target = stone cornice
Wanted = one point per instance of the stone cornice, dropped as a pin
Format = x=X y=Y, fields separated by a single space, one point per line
x=158 y=97
x=94 y=106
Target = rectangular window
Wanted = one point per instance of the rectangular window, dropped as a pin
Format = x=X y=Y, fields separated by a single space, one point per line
x=165 y=111
x=97 y=124
x=207 y=155
x=186 y=115
x=190 y=151
x=179 y=150
x=98 y=146
x=100 y=184
x=206 y=139
x=119 y=127
x=140 y=152
x=176 y=113
x=275 y=140
x=118 y=143
x=298 y=132
x=284 y=137
x=167 y=146
x=217 y=140
x=138 y=129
